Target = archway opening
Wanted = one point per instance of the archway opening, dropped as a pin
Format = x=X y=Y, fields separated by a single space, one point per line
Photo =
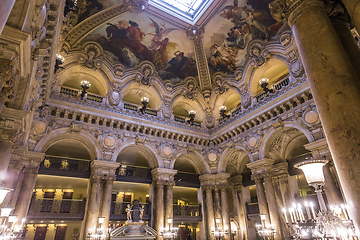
x=274 y=70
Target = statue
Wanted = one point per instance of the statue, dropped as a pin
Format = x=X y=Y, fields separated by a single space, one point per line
x=142 y=212
x=76 y=234
x=128 y=211
x=136 y=210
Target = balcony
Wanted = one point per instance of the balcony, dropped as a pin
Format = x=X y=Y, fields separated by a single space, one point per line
x=128 y=173
x=68 y=167
x=118 y=211
x=187 y=213
x=184 y=179
x=76 y=93
x=71 y=209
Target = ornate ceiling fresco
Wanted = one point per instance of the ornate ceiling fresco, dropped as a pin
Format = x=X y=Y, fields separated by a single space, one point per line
x=132 y=36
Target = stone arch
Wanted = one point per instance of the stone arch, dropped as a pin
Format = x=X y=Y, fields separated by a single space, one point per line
x=195 y=159
x=274 y=64
x=271 y=135
x=74 y=73
x=148 y=151
x=224 y=159
x=83 y=137
x=133 y=87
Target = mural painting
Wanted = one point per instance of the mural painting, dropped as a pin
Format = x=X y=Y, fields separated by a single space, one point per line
x=236 y=24
x=135 y=37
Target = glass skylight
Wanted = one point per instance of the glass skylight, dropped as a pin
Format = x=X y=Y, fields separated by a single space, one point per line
x=188 y=10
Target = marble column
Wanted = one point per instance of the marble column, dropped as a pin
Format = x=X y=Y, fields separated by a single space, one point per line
x=333 y=194
x=242 y=216
x=260 y=192
x=5 y=10
x=236 y=189
x=13 y=180
x=106 y=201
x=273 y=207
x=209 y=210
x=5 y=155
x=335 y=87
x=159 y=207
x=26 y=192
x=342 y=28
x=217 y=205
x=284 y=185
x=93 y=205
x=225 y=211
x=169 y=201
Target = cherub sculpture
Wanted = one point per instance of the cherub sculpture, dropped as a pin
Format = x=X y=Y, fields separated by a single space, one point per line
x=141 y=212
x=128 y=211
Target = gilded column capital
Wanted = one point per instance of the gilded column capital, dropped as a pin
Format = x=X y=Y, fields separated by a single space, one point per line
x=290 y=10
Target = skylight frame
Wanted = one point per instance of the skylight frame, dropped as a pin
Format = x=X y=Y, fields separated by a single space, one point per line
x=180 y=14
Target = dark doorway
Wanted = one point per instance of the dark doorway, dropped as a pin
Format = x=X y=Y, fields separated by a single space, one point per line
x=60 y=233
x=40 y=233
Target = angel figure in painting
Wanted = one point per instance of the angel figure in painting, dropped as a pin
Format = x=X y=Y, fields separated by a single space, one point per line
x=160 y=32
x=128 y=211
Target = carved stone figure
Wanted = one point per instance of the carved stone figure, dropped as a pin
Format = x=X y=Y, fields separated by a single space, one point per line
x=76 y=234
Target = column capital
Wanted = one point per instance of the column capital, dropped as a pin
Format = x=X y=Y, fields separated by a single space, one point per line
x=214 y=179
x=163 y=176
x=11 y=121
x=290 y=10
x=261 y=168
x=318 y=148
x=103 y=169
x=237 y=182
x=280 y=169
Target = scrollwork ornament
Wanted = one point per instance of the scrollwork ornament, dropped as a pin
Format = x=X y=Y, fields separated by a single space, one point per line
x=220 y=86
x=190 y=88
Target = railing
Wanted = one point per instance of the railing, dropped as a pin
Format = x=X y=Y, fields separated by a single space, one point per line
x=187 y=180
x=187 y=212
x=133 y=174
x=69 y=167
x=179 y=119
x=252 y=208
x=75 y=93
x=276 y=87
x=95 y=98
x=183 y=120
x=118 y=211
x=130 y=107
x=56 y=209
x=151 y=112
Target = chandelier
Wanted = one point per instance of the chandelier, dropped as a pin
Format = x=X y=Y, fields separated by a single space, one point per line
x=8 y=230
x=325 y=224
x=218 y=232
x=169 y=232
x=265 y=231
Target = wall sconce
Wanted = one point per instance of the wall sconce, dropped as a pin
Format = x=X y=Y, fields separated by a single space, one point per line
x=192 y=114
x=264 y=82
x=144 y=101
x=85 y=86
x=59 y=60
x=222 y=110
